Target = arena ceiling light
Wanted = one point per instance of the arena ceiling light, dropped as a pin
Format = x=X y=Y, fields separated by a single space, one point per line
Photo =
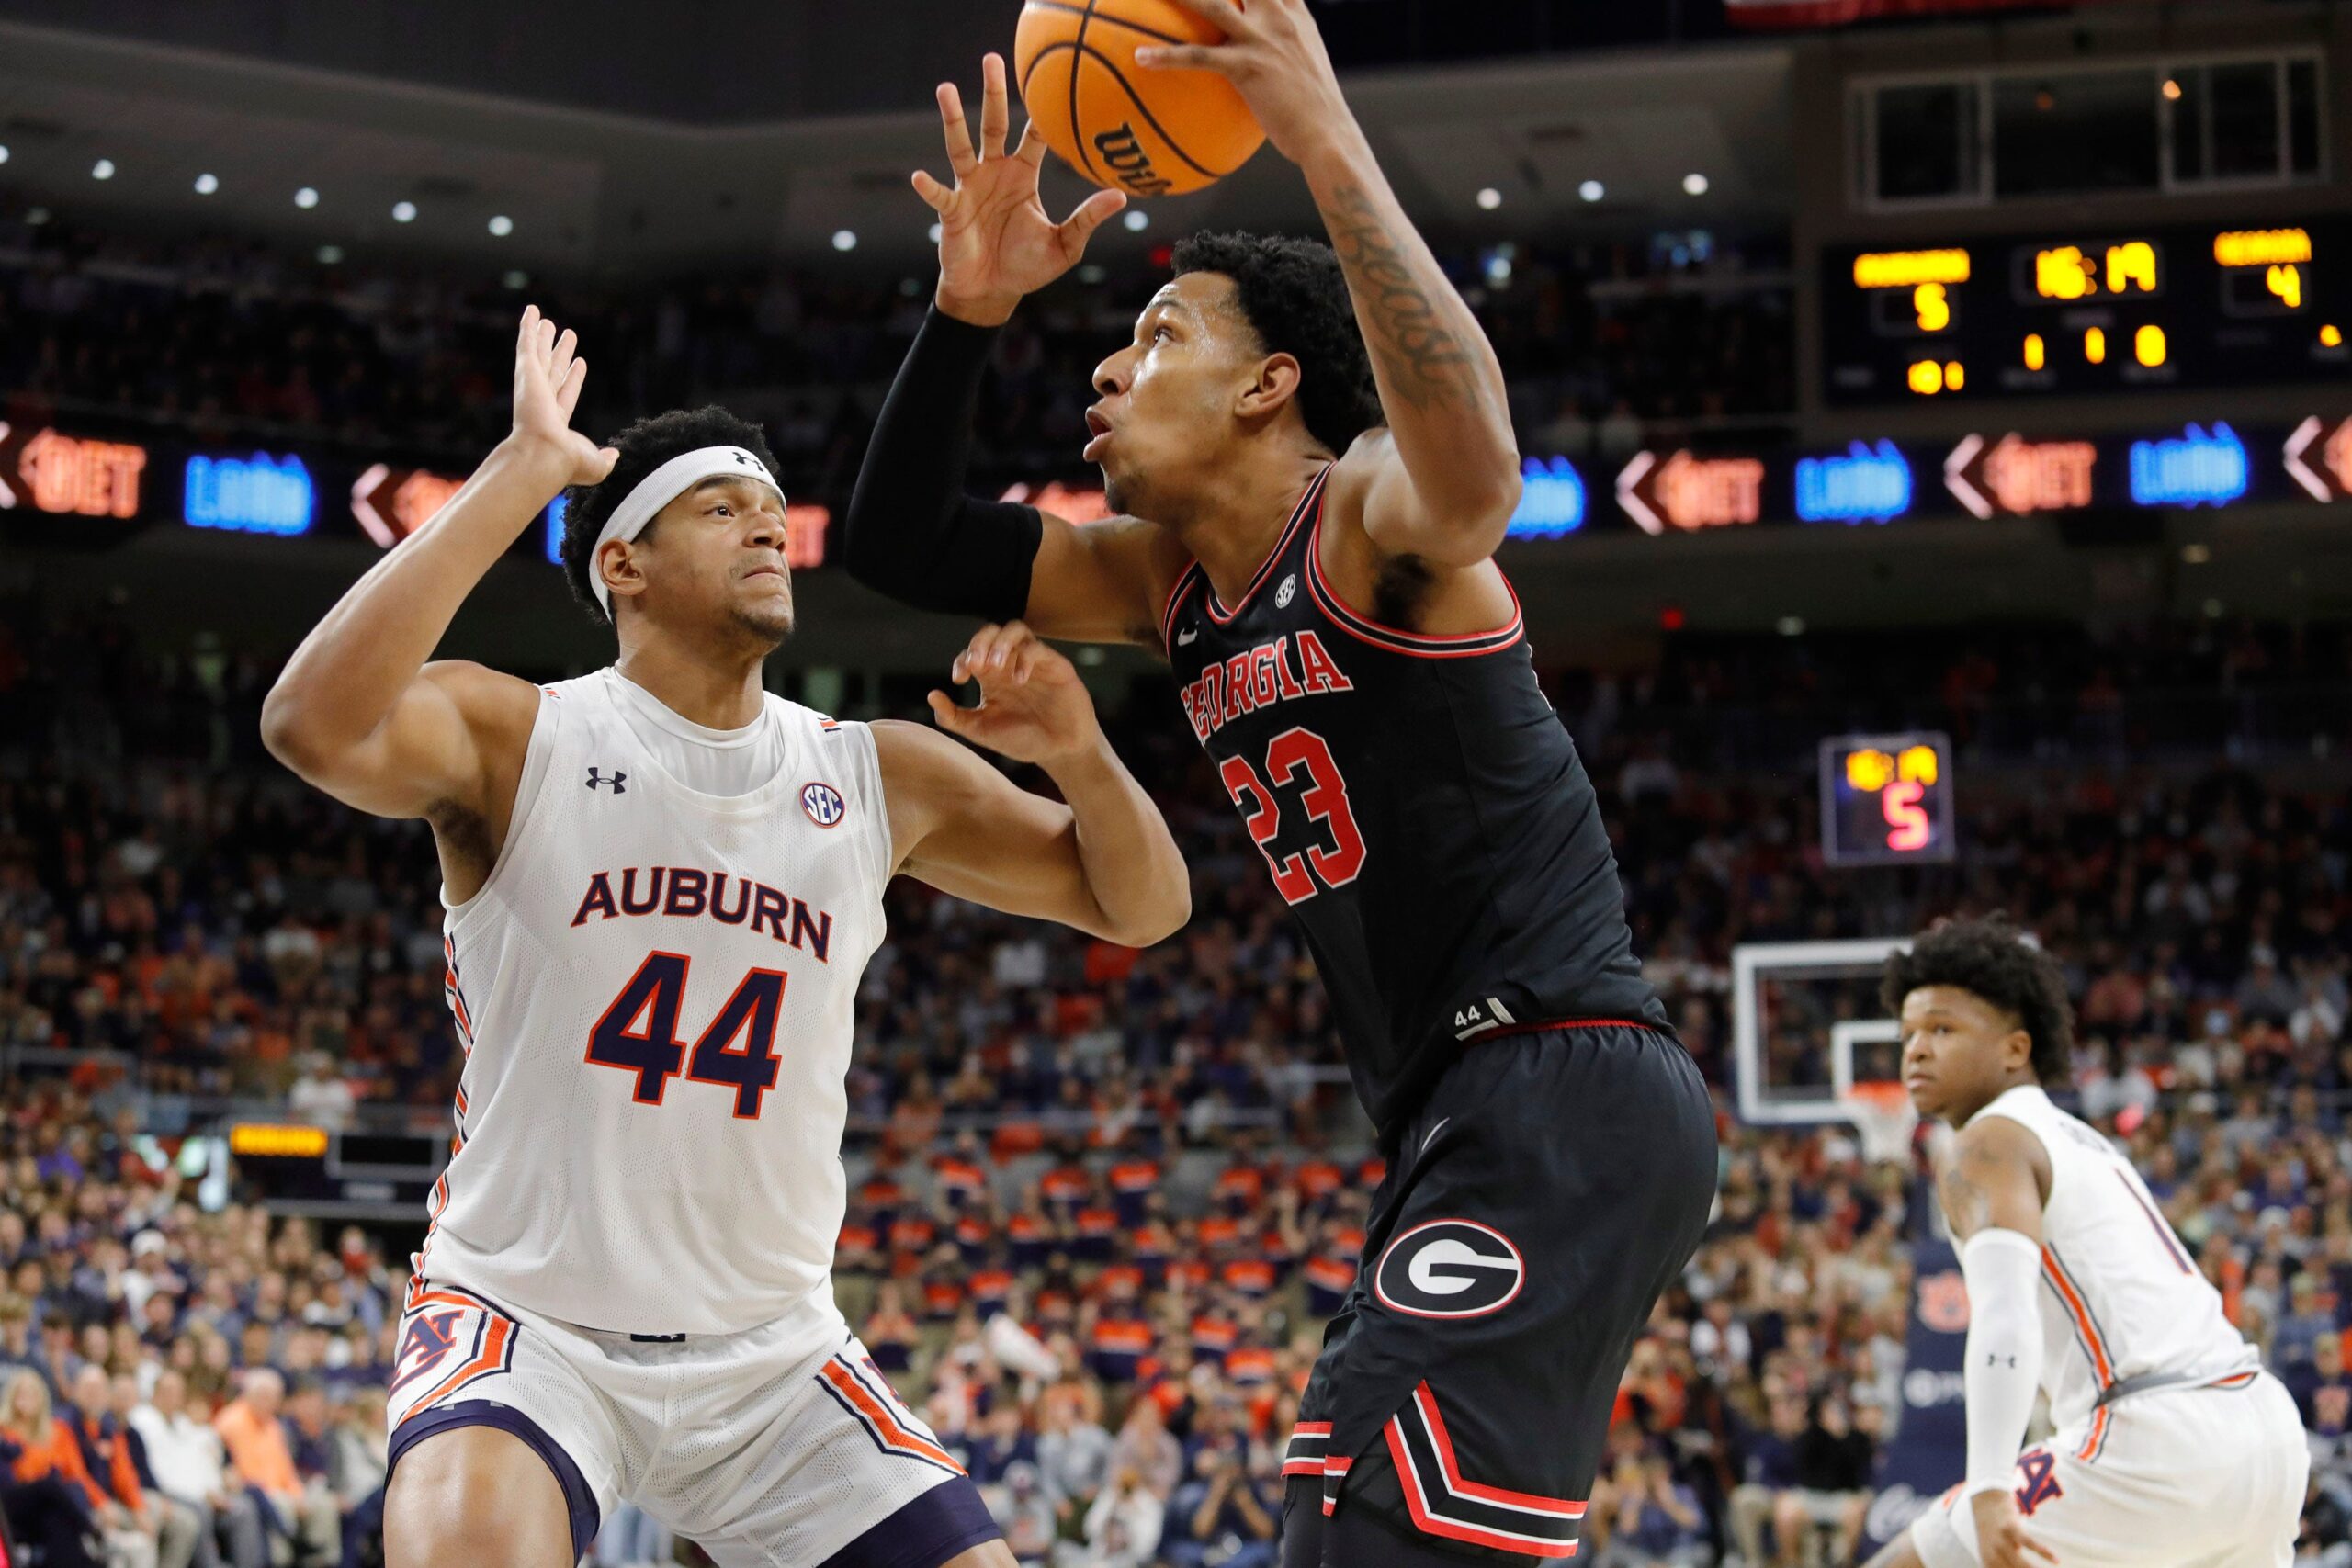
x=844 y=239
x=1592 y=190
x=207 y=183
x=103 y=169
x=403 y=212
x=935 y=231
x=4 y=154
x=1489 y=198
x=1137 y=220
x=306 y=199
x=330 y=254
x=502 y=226
x=516 y=280
x=1694 y=183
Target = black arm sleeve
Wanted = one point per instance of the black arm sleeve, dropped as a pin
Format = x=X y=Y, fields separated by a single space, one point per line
x=912 y=532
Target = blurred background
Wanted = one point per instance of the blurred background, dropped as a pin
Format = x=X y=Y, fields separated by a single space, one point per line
x=1938 y=427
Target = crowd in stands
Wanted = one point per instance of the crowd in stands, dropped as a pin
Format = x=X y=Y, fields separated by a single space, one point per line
x=222 y=335
x=1106 y=1197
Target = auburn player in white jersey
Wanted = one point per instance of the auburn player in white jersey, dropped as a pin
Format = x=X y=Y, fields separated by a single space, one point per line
x=2173 y=1447
x=661 y=884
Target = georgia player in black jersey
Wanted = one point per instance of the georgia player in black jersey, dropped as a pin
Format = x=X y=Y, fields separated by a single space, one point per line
x=1313 y=458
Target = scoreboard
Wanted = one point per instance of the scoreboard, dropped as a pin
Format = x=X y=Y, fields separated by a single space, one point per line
x=2094 y=311
x=1886 y=799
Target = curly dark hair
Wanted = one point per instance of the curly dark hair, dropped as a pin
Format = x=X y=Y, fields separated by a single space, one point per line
x=1991 y=960
x=1294 y=296
x=644 y=447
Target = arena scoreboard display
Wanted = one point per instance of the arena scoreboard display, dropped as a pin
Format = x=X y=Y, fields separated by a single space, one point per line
x=1886 y=799
x=2095 y=310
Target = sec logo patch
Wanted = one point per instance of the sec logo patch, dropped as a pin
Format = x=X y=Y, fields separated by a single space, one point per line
x=823 y=804
x=1449 y=1269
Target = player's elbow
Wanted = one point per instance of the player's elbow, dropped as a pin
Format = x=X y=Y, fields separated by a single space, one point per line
x=1160 y=914
x=291 y=731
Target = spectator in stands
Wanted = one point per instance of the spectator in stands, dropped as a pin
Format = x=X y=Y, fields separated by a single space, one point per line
x=1223 y=1517
x=16 y=1348
x=261 y=1457
x=52 y=1502
x=112 y=1448
x=1652 y=1520
x=1123 y=1528
x=1021 y=1509
x=1768 y=1494
x=357 y=1467
x=631 y=1537
x=321 y=1097
x=189 y=1465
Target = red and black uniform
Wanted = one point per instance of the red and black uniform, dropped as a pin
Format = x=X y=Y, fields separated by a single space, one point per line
x=1550 y=1148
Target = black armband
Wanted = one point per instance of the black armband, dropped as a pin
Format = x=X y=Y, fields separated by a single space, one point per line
x=912 y=532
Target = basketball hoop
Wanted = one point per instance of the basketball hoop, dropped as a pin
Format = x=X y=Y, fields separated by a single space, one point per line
x=1882 y=1113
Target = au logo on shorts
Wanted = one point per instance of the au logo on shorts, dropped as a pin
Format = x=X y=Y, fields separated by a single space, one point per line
x=1449 y=1269
x=823 y=804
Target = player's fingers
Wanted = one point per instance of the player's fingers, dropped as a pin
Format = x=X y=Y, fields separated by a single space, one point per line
x=1091 y=214
x=951 y=717
x=1183 y=57
x=996 y=113
x=934 y=195
x=567 y=396
x=2027 y=1543
x=1032 y=149
x=567 y=349
x=1228 y=16
x=952 y=124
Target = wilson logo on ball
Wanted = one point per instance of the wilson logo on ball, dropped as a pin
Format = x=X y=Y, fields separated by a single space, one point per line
x=1449 y=1269
x=1128 y=163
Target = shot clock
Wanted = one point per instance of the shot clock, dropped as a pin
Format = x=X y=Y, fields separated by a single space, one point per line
x=2094 y=311
x=1886 y=799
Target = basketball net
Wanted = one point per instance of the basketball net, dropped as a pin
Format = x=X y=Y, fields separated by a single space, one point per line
x=1882 y=1113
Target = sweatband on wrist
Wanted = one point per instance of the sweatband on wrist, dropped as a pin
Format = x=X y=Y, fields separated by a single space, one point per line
x=2002 y=1370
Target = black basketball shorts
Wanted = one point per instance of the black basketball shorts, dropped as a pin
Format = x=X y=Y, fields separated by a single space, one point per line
x=1554 y=1185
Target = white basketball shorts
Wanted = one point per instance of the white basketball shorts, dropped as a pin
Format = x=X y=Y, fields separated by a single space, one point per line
x=2197 y=1476
x=780 y=1446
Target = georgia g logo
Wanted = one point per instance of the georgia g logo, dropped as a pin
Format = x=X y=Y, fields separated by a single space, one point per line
x=1449 y=1269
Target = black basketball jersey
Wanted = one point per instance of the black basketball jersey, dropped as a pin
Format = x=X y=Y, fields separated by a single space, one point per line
x=1423 y=812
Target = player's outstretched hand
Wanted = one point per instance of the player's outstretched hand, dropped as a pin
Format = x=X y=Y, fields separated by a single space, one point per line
x=548 y=374
x=1275 y=57
x=1033 y=707
x=996 y=242
x=2001 y=1538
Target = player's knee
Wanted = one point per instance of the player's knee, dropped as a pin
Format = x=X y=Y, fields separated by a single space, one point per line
x=475 y=1495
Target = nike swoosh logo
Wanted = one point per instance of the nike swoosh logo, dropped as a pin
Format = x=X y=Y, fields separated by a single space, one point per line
x=1433 y=1133
x=1184 y=638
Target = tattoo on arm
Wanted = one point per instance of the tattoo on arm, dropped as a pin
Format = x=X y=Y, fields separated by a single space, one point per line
x=1426 y=361
x=1966 y=1206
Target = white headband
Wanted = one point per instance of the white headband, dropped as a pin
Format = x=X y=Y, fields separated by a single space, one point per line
x=658 y=490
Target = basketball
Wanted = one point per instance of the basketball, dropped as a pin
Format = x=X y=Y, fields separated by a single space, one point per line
x=1124 y=126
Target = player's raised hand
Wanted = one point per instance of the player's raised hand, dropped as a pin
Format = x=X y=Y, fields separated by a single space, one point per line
x=548 y=374
x=1033 y=707
x=996 y=242
x=1275 y=57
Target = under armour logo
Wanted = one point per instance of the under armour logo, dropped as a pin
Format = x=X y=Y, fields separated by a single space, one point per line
x=619 y=781
x=743 y=459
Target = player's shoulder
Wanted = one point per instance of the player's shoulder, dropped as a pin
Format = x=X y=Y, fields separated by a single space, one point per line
x=487 y=697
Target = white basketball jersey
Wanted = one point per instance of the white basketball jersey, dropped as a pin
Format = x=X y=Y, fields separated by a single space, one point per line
x=656 y=987
x=2119 y=1297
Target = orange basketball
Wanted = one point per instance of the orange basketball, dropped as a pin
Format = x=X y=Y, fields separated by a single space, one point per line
x=1145 y=132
